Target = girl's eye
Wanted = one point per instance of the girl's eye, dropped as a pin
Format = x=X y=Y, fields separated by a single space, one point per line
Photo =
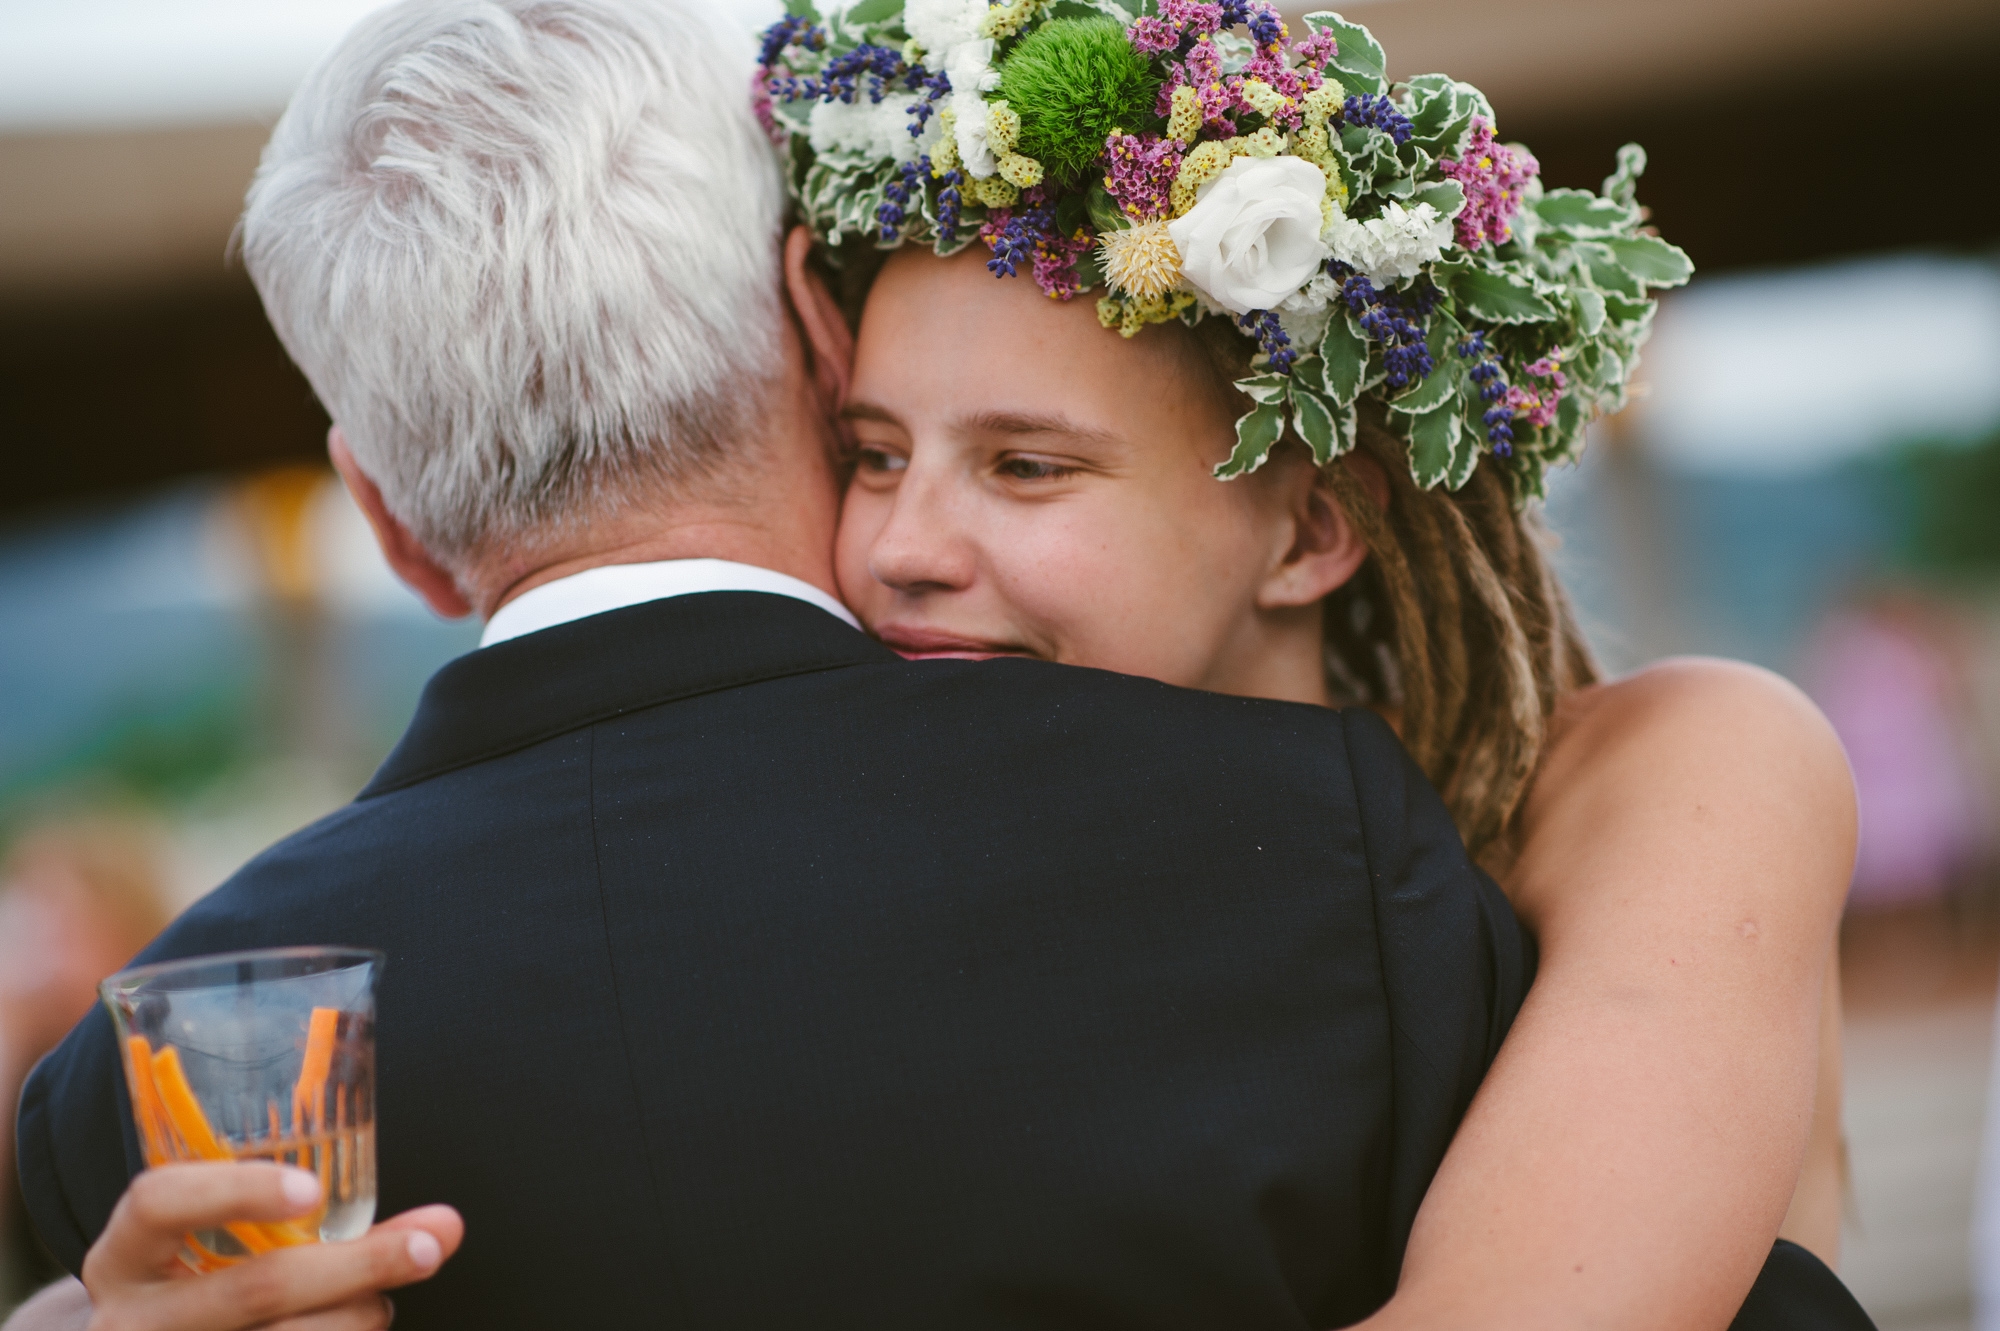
x=881 y=460
x=1033 y=469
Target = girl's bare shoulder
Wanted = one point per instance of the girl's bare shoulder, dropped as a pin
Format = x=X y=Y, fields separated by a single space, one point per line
x=1690 y=751
x=1691 y=716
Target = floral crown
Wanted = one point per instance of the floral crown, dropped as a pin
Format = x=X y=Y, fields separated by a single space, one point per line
x=1374 y=239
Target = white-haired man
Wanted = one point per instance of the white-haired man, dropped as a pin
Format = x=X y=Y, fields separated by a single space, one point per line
x=743 y=973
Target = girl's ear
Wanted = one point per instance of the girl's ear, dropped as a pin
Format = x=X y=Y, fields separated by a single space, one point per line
x=827 y=335
x=1325 y=549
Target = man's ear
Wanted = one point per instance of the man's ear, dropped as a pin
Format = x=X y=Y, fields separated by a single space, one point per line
x=827 y=334
x=1325 y=551
x=412 y=563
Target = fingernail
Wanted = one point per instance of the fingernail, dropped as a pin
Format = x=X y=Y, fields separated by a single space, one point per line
x=301 y=1189
x=424 y=1250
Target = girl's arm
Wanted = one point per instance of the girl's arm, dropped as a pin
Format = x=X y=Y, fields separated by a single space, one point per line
x=1684 y=855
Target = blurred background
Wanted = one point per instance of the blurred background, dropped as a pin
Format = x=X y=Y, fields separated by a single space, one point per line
x=200 y=650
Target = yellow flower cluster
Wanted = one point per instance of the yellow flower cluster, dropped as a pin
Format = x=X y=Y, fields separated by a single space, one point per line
x=1204 y=164
x=1267 y=100
x=991 y=192
x=1141 y=262
x=1128 y=316
x=1184 y=120
x=1003 y=21
x=944 y=156
x=1003 y=131
x=1266 y=142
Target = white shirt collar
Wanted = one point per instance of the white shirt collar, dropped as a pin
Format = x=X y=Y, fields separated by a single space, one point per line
x=615 y=586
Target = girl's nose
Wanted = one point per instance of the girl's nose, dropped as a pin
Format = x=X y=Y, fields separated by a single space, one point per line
x=923 y=549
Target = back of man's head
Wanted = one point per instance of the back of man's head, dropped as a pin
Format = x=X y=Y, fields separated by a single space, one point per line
x=526 y=253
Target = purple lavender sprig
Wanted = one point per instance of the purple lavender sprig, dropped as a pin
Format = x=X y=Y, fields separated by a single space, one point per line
x=1396 y=320
x=1272 y=340
x=896 y=198
x=934 y=87
x=1012 y=236
x=1492 y=381
x=793 y=29
x=1378 y=112
x=841 y=80
x=948 y=204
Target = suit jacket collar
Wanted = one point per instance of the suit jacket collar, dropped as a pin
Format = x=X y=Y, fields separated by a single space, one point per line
x=519 y=692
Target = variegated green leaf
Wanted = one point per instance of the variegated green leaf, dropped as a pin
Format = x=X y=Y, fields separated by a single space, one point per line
x=1499 y=298
x=1622 y=185
x=864 y=12
x=1308 y=375
x=1447 y=196
x=1265 y=387
x=1584 y=215
x=1588 y=307
x=1608 y=275
x=1360 y=63
x=1433 y=438
x=1343 y=354
x=1256 y=435
x=1652 y=260
x=1313 y=419
x=1441 y=385
x=1465 y=453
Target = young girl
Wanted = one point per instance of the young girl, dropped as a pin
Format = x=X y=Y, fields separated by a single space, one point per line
x=1367 y=316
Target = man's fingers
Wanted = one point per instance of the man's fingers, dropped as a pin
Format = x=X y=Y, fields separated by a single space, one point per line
x=165 y=1202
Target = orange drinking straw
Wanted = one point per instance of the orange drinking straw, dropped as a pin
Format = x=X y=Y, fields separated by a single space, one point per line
x=309 y=1096
x=183 y=1110
x=146 y=1105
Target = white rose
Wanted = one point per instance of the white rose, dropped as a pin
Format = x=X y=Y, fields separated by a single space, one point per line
x=1391 y=247
x=1252 y=237
x=941 y=25
x=872 y=129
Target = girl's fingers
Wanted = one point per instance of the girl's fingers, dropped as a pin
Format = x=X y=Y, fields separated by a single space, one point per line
x=342 y=1281
x=373 y=1313
x=163 y=1203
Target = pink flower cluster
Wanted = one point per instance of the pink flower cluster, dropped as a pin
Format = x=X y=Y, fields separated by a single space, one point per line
x=1492 y=175
x=1220 y=95
x=1539 y=405
x=1052 y=256
x=1141 y=173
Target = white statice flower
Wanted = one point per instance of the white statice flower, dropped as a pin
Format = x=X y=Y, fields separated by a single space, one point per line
x=971 y=71
x=941 y=26
x=871 y=129
x=1305 y=313
x=1252 y=237
x=1392 y=247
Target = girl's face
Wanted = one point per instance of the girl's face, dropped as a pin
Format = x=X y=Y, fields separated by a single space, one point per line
x=1031 y=484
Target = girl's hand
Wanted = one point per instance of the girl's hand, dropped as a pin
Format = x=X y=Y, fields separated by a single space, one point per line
x=135 y=1281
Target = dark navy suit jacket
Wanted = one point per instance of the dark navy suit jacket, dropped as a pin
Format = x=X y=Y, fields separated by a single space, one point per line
x=743 y=974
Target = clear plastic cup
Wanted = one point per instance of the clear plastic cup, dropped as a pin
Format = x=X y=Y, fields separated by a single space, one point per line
x=266 y=1055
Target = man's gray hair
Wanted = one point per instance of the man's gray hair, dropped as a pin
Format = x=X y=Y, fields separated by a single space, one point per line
x=526 y=251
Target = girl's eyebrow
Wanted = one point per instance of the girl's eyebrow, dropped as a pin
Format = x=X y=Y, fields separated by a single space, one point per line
x=1020 y=422
x=868 y=411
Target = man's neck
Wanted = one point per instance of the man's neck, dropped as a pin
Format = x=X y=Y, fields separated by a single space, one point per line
x=715 y=534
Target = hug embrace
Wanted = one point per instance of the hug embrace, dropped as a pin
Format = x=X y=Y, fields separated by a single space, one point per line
x=1027 y=767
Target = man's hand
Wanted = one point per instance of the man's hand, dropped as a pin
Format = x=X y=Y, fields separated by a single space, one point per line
x=137 y=1283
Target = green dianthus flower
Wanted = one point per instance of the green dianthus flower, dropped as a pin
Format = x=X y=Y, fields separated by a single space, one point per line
x=1074 y=82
